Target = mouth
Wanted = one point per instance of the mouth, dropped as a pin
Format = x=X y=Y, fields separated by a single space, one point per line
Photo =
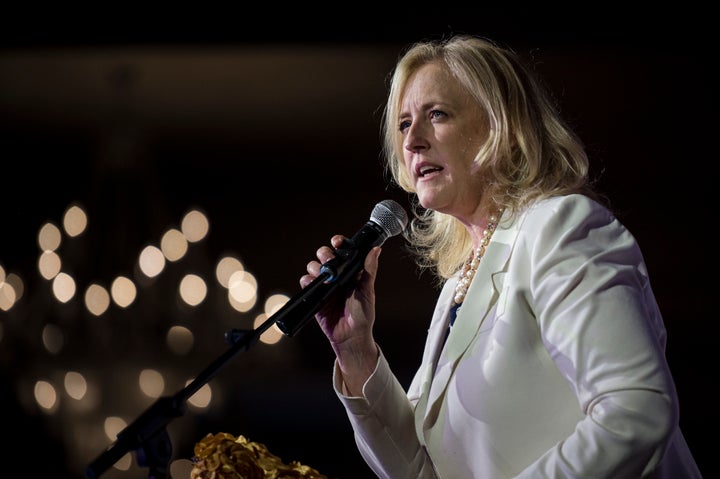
x=423 y=170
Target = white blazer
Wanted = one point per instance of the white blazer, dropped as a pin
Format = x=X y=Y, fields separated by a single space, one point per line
x=555 y=367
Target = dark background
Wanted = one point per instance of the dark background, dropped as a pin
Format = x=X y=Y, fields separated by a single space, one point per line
x=270 y=124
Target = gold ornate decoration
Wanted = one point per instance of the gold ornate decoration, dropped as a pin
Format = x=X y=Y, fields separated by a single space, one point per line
x=223 y=456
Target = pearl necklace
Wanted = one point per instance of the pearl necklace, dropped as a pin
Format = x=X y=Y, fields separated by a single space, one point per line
x=471 y=265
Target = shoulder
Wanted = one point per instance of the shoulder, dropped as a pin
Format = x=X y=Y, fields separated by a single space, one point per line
x=572 y=222
x=573 y=203
x=566 y=210
x=547 y=218
x=570 y=218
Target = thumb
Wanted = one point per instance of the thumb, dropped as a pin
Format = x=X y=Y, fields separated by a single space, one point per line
x=372 y=261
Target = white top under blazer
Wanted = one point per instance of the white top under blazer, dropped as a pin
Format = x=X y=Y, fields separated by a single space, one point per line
x=555 y=366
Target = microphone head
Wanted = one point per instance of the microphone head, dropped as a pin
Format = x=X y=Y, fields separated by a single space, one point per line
x=390 y=216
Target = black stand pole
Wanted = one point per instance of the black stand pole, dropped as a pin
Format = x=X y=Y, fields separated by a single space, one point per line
x=147 y=435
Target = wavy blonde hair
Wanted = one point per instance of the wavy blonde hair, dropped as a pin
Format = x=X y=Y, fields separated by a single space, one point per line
x=530 y=152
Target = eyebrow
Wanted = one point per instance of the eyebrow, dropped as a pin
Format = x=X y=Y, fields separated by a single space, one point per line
x=431 y=105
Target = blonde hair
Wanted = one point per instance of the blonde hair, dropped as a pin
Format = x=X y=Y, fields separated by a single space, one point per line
x=530 y=152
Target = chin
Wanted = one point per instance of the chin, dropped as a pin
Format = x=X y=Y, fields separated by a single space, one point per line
x=428 y=203
x=423 y=200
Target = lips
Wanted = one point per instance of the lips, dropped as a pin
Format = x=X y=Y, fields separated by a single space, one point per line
x=424 y=169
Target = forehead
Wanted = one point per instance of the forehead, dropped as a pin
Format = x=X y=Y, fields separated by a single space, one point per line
x=432 y=82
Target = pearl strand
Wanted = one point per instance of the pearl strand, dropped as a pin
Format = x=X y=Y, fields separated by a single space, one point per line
x=471 y=265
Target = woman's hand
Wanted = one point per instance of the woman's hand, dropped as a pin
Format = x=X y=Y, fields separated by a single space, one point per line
x=347 y=318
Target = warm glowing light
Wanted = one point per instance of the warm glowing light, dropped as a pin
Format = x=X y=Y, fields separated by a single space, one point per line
x=45 y=395
x=97 y=299
x=7 y=296
x=74 y=221
x=272 y=334
x=173 y=245
x=49 y=264
x=180 y=339
x=242 y=286
x=225 y=269
x=202 y=396
x=63 y=287
x=124 y=463
x=242 y=307
x=123 y=291
x=52 y=338
x=75 y=385
x=193 y=289
x=152 y=261
x=181 y=468
x=242 y=291
x=17 y=284
x=274 y=303
x=49 y=237
x=195 y=226
x=151 y=383
x=113 y=425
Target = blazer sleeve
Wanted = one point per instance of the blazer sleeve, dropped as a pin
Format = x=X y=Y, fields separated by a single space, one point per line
x=383 y=423
x=590 y=294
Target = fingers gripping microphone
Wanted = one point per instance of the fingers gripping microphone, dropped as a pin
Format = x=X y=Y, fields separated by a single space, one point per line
x=387 y=219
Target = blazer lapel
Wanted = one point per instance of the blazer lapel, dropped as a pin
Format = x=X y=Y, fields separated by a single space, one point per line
x=482 y=295
x=435 y=342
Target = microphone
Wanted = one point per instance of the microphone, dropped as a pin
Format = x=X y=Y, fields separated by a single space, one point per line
x=387 y=219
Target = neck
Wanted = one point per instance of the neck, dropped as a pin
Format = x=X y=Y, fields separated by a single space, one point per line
x=479 y=231
x=471 y=265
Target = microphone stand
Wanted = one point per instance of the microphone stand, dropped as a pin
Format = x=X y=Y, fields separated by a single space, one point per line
x=148 y=436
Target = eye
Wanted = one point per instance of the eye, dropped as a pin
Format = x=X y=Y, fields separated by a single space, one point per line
x=435 y=114
x=404 y=125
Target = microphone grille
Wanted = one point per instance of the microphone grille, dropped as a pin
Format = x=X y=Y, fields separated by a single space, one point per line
x=391 y=217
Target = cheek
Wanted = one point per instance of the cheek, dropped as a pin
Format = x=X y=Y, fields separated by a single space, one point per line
x=407 y=163
x=409 y=179
x=406 y=178
x=472 y=144
x=466 y=152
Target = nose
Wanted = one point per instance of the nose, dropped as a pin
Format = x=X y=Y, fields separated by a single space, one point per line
x=415 y=138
